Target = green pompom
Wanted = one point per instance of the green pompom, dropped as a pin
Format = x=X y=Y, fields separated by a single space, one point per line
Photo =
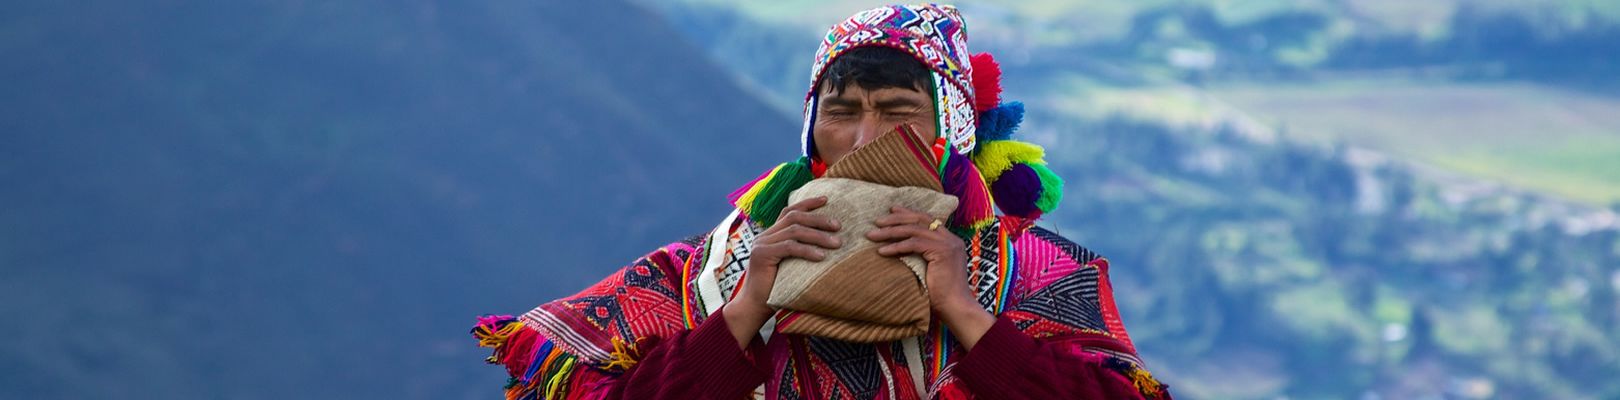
x=1051 y=188
x=770 y=201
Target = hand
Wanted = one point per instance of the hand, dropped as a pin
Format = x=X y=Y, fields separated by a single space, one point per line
x=796 y=234
x=906 y=231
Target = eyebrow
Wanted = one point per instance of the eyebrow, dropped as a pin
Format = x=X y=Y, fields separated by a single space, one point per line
x=840 y=102
x=897 y=103
x=881 y=105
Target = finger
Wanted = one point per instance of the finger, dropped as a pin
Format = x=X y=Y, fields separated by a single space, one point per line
x=791 y=249
x=900 y=215
x=803 y=206
x=812 y=236
x=806 y=218
x=797 y=208
x=904 y=247
x=898 y=232
x=806 y=204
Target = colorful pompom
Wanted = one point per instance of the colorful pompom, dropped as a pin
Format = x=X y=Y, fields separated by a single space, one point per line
x=1000 y=122
x=1017 y=191
x=996 y=157
x=764 y=198
x=986 y=81
x=975 y=208
x=1051 y=188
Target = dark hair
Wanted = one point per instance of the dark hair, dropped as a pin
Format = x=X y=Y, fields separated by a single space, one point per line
x=875 y=67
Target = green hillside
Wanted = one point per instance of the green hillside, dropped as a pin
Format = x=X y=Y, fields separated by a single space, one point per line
x=1544 y=139
x=1253 y=269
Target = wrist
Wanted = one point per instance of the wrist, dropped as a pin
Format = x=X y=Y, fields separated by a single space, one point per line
x=745 y=308
x=744 y=317
x=962 y=310
x=967 y=320
x=957 y=306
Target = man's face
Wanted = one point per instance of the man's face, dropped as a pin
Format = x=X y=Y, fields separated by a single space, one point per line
x=855 y=117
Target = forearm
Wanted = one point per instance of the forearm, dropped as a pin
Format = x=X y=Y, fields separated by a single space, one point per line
x=705 y=362
x=1013 y=365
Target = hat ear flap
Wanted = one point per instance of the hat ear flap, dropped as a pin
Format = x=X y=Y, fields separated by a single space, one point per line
x=808 y=141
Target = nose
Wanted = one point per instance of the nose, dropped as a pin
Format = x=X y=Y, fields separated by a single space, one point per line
x=871 y=126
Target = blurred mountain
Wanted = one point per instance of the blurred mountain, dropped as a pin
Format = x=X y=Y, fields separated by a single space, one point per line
x=269 y=199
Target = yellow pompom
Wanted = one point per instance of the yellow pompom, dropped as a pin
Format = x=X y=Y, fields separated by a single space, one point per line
x=998 y=156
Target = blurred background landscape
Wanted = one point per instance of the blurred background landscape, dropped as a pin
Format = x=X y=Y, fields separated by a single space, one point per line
x=1305 y=199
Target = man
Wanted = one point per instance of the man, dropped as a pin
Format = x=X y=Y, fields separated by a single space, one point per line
x=1019 y=312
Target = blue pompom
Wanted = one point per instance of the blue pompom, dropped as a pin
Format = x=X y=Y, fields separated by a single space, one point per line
x=999 y=123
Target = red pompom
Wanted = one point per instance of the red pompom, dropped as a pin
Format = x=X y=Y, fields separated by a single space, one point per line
x=986 y=81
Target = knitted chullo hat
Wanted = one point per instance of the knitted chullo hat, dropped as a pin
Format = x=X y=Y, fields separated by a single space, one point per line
x=981 y=166
x=934 y=35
